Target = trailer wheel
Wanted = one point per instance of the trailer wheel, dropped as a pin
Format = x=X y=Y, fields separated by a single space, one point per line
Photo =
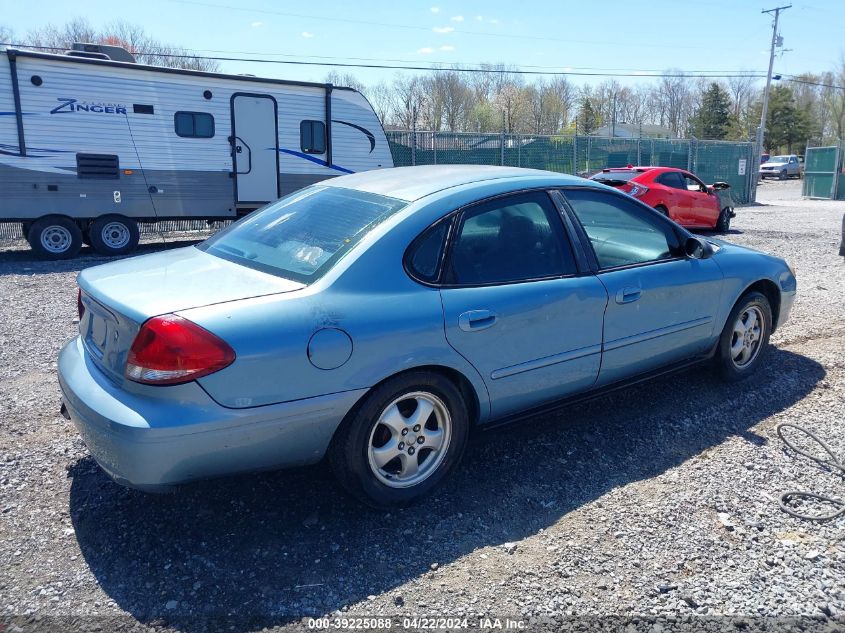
x=55 y=237
x=114 y=235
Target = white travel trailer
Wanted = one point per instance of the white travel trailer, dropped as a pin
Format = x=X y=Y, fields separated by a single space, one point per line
x=90 y=146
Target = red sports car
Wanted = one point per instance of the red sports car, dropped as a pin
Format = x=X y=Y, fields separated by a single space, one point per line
x=675 y=193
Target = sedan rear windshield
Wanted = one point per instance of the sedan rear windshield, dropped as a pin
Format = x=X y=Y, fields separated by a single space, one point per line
x=303 y=235
x=615 y=177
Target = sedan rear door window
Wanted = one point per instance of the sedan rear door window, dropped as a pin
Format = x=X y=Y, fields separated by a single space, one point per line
x=303 y=235
x=515 y=238
x=672 y=179
x=622 y=232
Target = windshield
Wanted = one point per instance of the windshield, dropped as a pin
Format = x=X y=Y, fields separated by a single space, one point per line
x=779 y=159
x=303 y=235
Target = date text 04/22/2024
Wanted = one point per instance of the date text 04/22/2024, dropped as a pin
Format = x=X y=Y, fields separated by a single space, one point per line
x=416 y=623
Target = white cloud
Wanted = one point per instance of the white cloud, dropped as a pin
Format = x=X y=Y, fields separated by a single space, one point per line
x=479 y=18
x=255 y=25
x=493 y=21
x=447 y=47
x=443 y=29
x=307 y=34
x=457 y=18
x=435 y=9
x=426 y=50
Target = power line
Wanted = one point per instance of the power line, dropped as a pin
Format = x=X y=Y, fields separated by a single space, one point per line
x=437 y=65
x=495 y=70
x=417 y=27
x=796 y=80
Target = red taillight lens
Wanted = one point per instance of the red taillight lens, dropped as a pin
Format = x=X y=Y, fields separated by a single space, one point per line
x=638 y=191
x=79 y=305
x=169 y=350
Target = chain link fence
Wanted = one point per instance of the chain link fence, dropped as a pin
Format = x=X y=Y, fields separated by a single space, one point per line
x=731 y=162
x=580 y=155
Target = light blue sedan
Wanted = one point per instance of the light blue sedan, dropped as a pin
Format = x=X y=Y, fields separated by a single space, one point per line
x=375 y=319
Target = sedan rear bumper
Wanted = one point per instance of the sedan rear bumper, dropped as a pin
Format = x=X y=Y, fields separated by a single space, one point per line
x=154 y=437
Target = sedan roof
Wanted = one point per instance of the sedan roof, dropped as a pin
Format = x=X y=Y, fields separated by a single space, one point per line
x=413 y=183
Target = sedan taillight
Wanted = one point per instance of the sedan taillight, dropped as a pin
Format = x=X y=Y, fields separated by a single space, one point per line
x=170 y=350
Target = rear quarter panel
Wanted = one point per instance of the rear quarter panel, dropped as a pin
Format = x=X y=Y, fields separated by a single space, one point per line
x=394 y=323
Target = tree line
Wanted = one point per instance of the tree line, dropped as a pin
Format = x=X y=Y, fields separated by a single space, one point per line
x=680 y=105
x=496 y=98
x=145 y=48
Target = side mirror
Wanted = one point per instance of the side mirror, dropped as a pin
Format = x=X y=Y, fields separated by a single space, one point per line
x=697 y=248
x=720 y=185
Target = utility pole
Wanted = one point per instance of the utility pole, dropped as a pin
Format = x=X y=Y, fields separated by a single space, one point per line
x=764 y=114
x=613 y=118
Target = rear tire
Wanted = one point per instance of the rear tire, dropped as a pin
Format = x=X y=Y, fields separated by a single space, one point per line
x=385 y=456
x=55 y=237
x=782 y=175
x=723 y=224
x=745 y=340
x=114 y=235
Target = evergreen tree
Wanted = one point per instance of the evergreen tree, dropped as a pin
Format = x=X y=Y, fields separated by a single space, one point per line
x=786 y=123
x=713 y=120
x=588 y=118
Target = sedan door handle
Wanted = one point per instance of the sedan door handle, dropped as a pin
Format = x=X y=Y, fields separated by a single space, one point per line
x=475 y=320
x=628 y=295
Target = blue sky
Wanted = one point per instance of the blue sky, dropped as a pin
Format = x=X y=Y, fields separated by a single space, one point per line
x=718 y=35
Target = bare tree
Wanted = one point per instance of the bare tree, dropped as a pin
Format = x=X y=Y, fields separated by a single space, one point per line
x=347 y=80
x=7 y=36
x=675 y=94
x=742 y=91
x=380 y=97
x=131 y=37
x=834 y=100
x=408 y=100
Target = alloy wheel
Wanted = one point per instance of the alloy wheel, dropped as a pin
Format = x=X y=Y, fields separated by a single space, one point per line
x=747 y=337
x=409 y=440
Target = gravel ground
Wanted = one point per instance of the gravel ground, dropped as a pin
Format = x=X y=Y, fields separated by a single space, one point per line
x=654 y=507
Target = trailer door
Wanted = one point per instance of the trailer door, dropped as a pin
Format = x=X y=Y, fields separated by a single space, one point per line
x=255 y=148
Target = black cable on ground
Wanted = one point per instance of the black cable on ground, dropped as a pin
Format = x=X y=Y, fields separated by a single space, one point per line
x=834 y=463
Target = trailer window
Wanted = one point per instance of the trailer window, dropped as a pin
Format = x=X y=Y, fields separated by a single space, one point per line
x=312 y=137
x=194 y=124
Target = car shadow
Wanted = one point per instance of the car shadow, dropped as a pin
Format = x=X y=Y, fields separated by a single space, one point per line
x=265 y=549
x=716 y=234
x=18 y=260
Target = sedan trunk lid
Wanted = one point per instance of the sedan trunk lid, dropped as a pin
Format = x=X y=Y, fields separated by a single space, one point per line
x=119 y=296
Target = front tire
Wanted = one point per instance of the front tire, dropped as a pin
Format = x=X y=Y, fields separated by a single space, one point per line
x=745 y=339
x=55 y=237
x=402 y=441
x=723 y=224
x=114 y=235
